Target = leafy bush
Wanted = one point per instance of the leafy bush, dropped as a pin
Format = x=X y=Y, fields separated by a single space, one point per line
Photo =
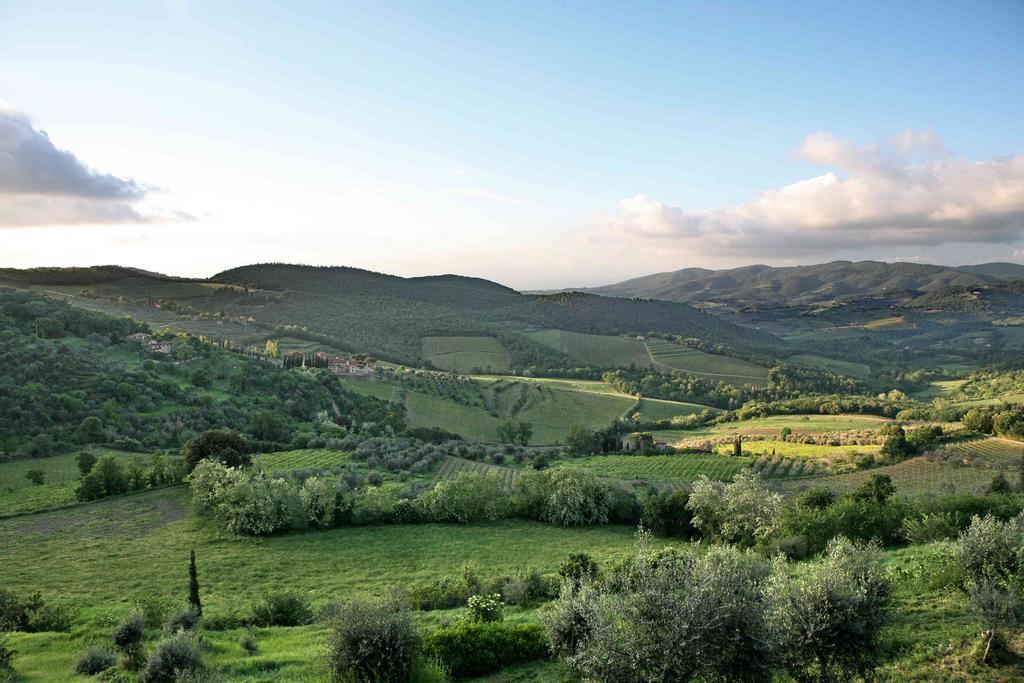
x=930 y=527
x=318 y=498
x=248 y=643
x=374 y=506
x=129 y=633
x=371 y=640
x=282 y=608
x=94 y=660
x=857 y=520
x=31 y=614
x=479 y=648
x=658 y=601
x=562 y=496
x=878 y=489
x=6 y=656
x=183 y=620
x=667 y=514
x=108 y=477
x=469 y=497
x=484 y=607
x=172 y=657
x=577 y=568
x=816 y=498
x=826 y=623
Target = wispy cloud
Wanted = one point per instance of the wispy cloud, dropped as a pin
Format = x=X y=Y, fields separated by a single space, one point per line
x=41 y=184
x=907 y=192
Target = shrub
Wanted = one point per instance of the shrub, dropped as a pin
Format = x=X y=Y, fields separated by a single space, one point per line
x=817 y=497
x=31 y=614
x=469 y=497
x=563 y=496
x=484 y=608
x=6 y=656
x=578 y=568
x=475 y=649
x=857 y=520
x=36 y=477
x=282 y=608
x=129 y=633
x=878 y=489
x=227 y=448
x=999 y=484
x=930 y=527
x=172 y=657
x=95 y=660
x=183 y=620
x=374 y=506
x=248 y=643
x=667 y=514
x=826 y=623
x=990 y=549
x=318 y=497
x=712 y=602
x=371 y=640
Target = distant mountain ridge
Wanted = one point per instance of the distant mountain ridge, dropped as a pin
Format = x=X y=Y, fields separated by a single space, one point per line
x=806 y=285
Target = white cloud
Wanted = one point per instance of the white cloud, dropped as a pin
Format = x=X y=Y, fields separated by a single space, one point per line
x=43 y=185
x=909 y=192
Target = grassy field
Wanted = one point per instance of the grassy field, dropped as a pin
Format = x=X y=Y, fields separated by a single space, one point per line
x=466 y=354
x=810 y=360
x=601 y=351
x=720 y=368
x=18 y=495
x=550 y=409
x=369 y=387
x=660 y=468
x=104 y=557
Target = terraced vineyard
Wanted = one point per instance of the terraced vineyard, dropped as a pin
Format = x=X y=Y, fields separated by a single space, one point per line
x=286 y=461
x=452 y=466
x=601 y=351
x=993 y=452
x=465 y=355
x=715 y=367
x=662 y=468
x=914 y=477
x=779 y=467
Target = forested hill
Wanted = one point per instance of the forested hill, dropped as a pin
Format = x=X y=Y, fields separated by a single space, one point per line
x=802 y=285
x=375 y=311
x=70 y=377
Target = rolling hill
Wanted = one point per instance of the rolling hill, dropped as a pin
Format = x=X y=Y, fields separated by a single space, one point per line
x=364 y=311
x=803 y=285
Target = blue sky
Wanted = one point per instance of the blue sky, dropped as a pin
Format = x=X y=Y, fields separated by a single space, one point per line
x=536 y=143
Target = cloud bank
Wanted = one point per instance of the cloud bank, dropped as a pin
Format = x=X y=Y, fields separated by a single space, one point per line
x=907 y=192
x=42 y=185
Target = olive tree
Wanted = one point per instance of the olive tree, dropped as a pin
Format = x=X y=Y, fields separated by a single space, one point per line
x=743 y=510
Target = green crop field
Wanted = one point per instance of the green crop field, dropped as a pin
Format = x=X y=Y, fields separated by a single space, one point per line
x=466 y=354
x=796 y=450
x=684 y=467
x=714 y=367
x=589 y=386
x=810 y=360
x=653 y=409
x=993 y=452
x=369 y=387
x=598 y=350
x=452 y=466
x=914 y=477
x=286 y=461
x=552 y=412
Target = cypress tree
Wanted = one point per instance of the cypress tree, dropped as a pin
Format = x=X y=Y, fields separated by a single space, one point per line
x=193 y=585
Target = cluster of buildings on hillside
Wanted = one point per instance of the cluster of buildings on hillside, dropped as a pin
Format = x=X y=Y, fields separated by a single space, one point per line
x=149 y=342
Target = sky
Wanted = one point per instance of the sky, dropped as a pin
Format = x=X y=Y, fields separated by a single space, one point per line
x=539 y=144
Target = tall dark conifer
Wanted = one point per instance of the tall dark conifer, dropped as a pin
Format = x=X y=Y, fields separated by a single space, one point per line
x=193 y=585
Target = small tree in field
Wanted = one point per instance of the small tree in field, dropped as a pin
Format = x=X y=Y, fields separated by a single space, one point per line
x=36 y=477
x=225 y=447
x=193 y=585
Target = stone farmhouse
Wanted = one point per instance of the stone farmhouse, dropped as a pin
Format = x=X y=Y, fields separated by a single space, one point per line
x=347 y=367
